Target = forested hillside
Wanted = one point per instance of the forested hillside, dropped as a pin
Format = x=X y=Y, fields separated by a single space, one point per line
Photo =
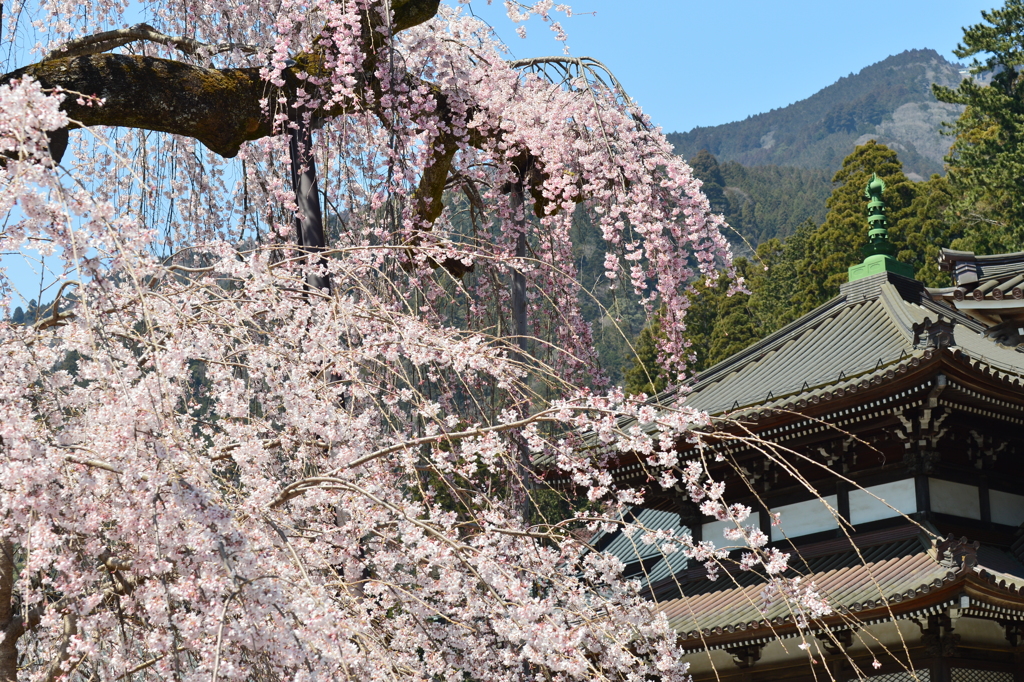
x=761 y=202
x=890 y=101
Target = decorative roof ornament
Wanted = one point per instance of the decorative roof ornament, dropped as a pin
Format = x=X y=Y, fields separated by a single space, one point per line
x=879 y=252
x=937 y=334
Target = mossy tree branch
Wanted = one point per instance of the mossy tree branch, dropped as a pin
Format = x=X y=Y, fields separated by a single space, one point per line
x=219 y=107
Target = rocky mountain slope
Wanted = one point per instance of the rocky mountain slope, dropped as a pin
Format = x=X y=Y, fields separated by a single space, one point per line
x=890 y=102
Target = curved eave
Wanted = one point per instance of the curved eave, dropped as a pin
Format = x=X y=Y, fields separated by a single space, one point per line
x=991 y=596
x=982 y=387
x=929 y=598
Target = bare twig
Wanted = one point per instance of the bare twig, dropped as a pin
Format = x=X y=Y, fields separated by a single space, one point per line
x=93 y=463
x=108 y=40
x=151 y=662
x=57 y=318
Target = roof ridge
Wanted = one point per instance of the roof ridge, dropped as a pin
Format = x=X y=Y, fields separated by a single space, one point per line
x=950 y=255
x=898 y=312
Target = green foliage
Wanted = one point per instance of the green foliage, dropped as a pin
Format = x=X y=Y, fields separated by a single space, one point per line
x=836 y=245
x=925 y=229
x=773 y=290
x=819 y=131
x=717 y=324
x=986 y=163
x=761 y=202
x=645 y=375
x=735 y=326
x=767 y=202
x=705 y=166
x=615 y=315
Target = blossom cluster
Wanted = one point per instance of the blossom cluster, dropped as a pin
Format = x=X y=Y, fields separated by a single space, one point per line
x=211 y=471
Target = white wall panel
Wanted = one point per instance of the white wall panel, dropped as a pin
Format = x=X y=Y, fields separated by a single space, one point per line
x=1006 y=508
x=804 y=518
x=864 y=508
x=955 y=499
x=712 y=531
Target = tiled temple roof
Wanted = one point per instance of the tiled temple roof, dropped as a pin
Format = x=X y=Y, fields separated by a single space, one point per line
x=886 y=574
x=644 y=562
x=873 y=323
x=881 y=329
x=988 y=287
x=876 y=326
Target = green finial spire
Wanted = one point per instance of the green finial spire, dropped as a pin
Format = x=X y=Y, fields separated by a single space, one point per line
x=879 y=252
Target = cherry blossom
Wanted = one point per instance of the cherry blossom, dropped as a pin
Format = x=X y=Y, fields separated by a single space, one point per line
x=214 y=470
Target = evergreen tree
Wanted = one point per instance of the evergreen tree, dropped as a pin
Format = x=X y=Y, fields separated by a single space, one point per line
x=926 y=229
x=774 y=200
x=789 y=278
x=986 y=163
x=836 y=245
x=32 y=313
x=773 y=289
x=736 y=325
x=701 y=319
x=705 y=166
x=646 y=374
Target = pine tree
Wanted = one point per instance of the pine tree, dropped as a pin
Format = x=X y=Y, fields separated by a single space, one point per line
x=735 y=326
x=926 y=228
x=772 y=289
x=705 y=166
x=986 y=163
x=792 y=277
x=32 y=313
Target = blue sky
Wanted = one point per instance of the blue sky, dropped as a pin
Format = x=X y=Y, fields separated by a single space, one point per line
x=703 y=63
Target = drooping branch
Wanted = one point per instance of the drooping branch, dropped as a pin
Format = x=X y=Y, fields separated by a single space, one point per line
x=572 y=68
x=222 y=108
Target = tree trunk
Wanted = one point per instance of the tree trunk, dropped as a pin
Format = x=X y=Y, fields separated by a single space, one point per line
x=309 y=223
x=518 y=199
x=10 y=623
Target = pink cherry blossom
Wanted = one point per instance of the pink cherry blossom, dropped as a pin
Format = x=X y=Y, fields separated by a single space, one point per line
x=212 y=470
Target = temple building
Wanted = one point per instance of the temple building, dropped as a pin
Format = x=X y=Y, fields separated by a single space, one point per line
x=894 y=414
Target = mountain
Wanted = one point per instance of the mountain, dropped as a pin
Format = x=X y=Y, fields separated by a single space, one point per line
x=890 y=101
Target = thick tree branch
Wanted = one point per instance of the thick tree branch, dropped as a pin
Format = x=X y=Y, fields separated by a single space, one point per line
x=7 y=577
x=409 y=13
x=222 y=107
x=428 y=199
x=70 y=630
x=218 y=107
